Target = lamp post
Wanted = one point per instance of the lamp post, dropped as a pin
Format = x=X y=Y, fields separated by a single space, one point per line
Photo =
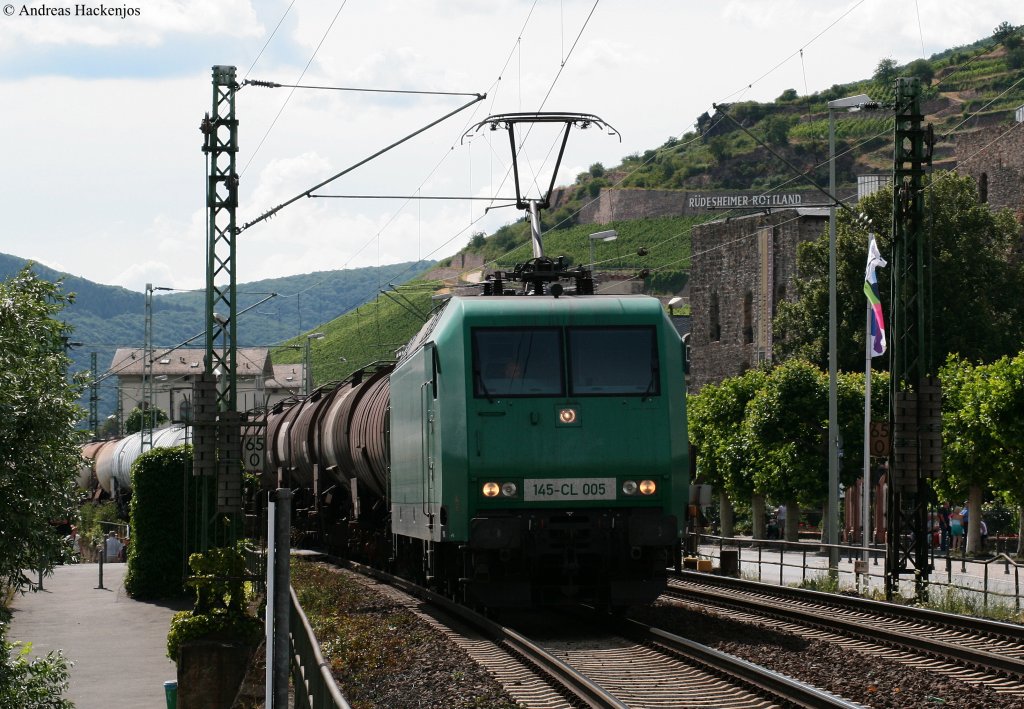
x=307 y=366
x=609 y=235
x=831 y=526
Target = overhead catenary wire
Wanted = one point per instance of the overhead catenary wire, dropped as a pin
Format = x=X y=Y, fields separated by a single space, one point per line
x=289 y=97
x=269 y=39
x=275 y=85
x=307 y=193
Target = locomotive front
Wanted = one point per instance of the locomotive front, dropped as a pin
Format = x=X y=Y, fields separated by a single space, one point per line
x=539 y=448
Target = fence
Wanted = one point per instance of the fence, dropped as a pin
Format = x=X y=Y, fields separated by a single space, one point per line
x=314 y=684
x=784 y=562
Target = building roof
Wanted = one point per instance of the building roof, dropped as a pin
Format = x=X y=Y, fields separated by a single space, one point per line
x=286 y=376
x=251 y=362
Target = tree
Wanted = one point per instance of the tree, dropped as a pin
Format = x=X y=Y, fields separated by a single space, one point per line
x=1003 y=31
x=885 y=72
x=776 y=130
x=133 y=421
x=38 y=462
x=982 y=435
x=38 y=447
x=922 y=69
x=787 y=424
x=1005 y=402
x=715 y=418
x=977 y=295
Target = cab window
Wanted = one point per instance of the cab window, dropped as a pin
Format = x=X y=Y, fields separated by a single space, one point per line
x=613 y=361
x=512 y=362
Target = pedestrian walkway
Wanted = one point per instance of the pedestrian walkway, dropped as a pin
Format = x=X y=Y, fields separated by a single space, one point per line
x=117 y=644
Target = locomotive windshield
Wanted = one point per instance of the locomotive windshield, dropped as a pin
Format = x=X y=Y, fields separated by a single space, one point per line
x=602 y=361
x=613 y=361
x=517 y=362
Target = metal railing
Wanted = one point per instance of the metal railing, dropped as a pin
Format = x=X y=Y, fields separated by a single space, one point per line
x=314 y=684
x=767 y=560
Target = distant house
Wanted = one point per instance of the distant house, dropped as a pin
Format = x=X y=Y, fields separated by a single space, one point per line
x=259 y=383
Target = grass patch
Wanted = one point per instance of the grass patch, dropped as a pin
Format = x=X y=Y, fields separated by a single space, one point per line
x=950 y=599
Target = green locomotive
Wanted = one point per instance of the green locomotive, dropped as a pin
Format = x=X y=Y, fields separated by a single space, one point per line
x=538 y=449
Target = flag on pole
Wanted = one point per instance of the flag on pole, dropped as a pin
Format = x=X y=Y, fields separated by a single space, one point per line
x=875 y=260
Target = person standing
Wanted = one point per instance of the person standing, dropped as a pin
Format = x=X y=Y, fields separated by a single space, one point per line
x=75 y=543
x=944 y=527
x=112 y=547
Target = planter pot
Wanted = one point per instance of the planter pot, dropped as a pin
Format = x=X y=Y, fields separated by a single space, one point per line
x=210 y=672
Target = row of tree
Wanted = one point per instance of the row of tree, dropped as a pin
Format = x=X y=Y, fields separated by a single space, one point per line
x=764 y=433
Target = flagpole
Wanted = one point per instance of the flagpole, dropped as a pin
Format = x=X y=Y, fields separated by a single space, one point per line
x=865 y=496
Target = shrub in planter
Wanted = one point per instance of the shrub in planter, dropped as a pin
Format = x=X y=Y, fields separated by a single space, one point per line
x=212 y=644
x=220 y=607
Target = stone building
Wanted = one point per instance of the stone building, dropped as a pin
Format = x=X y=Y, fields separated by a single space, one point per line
x=994 y=157
x=741 y=269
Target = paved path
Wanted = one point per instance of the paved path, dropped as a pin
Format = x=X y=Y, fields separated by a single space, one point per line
x=117 y=644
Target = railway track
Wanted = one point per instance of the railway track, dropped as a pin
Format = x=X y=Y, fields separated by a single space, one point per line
x=976 y=651
x=610 y=664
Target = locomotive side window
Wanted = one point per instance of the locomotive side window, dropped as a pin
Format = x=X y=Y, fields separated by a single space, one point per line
x=613 y=361
x=517 y=362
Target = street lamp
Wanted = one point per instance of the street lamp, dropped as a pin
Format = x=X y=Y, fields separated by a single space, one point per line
x=849 y=103
x=307 y=366
x=609 y=235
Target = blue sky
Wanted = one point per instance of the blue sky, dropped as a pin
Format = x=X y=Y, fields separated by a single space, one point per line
x=102 y=169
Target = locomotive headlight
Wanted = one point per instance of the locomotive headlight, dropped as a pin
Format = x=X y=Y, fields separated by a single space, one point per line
x=567 y=416
x=647 y=487
x=509 y=489
x=491 y=489
x=629 y=487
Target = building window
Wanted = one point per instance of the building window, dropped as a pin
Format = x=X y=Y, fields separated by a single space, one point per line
x=983 y=188
x=185 y=410
x=748 y=317
x=715 y=330
x=780 y=295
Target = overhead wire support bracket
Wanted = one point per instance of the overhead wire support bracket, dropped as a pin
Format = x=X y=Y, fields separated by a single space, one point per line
x=508 y=121
x=309 y=192
x=540 y=274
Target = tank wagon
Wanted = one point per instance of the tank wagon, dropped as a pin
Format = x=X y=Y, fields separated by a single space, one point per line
x=523 y=450
x=111 y=461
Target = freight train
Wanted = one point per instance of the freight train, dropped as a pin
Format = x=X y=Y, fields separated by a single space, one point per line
x=522 y=450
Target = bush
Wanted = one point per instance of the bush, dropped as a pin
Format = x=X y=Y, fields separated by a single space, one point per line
x=220 y=607
x=1015 y=58
x=28 y=682
x=91 y=529
x=157 y=551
